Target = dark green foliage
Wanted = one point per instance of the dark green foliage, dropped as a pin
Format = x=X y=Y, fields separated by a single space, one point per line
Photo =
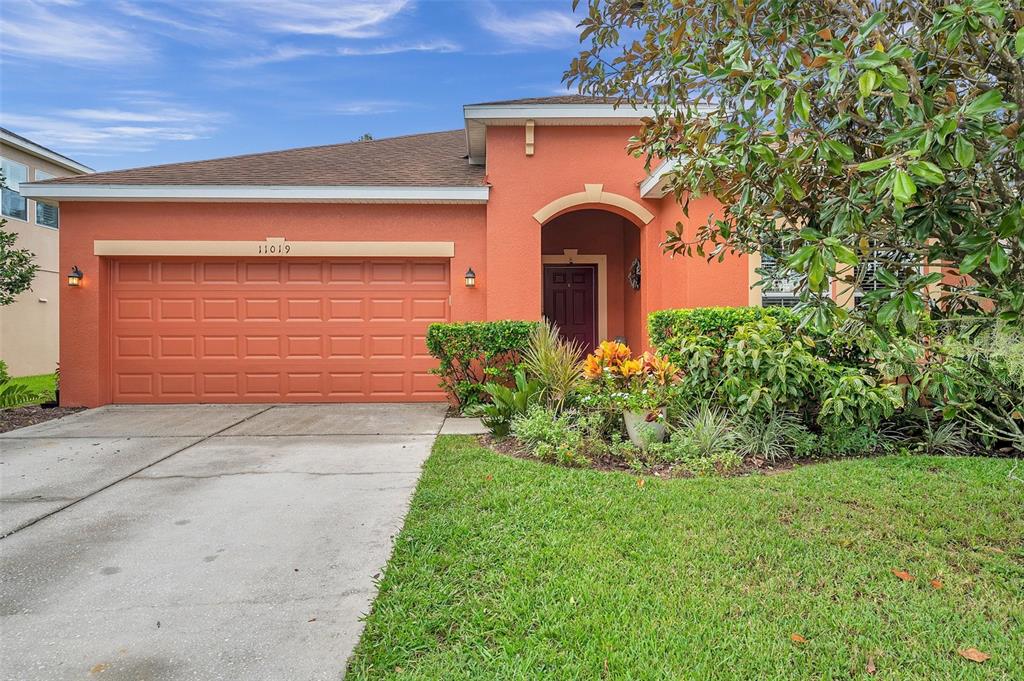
x=668 y=329
x=507 y=403
x=474 y=353
x=857 y=144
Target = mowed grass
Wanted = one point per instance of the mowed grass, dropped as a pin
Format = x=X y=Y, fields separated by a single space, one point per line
x=511 y=569
x=44 y=385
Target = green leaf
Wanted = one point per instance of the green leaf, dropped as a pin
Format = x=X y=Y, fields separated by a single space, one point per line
x=844 y=151
x=845 y=255
x=794 y=187
x=964 y=152
x=802 y=105
x=986 y=103
x=997 y=259
x=971 y=262
x=868 y=166
x=816 y=273
x=1018 y=42
x=870 y=24
x=927 y=171
x=888 y=312
x=886 y=277
x=867 y=82
x=903 y=188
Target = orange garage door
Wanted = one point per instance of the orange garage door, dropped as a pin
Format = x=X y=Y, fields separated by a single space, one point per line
x=286 y=330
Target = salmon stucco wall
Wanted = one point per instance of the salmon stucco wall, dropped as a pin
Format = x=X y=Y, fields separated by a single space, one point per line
x=565 y=159
x=692 y=281
x=85 y=353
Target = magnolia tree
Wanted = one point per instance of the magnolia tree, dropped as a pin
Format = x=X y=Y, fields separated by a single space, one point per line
x=872 y=143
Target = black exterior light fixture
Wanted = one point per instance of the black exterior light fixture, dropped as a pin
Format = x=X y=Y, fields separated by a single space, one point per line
x=470 y=278
x=75 y=276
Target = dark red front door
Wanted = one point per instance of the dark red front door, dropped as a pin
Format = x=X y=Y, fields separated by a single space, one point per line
x=569 y=301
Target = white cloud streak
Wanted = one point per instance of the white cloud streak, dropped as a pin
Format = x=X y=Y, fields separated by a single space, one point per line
x=40 y=30
x=284 y=53
x=138 y=127
x=542 y=28
x=340 y=18
x=365 y=108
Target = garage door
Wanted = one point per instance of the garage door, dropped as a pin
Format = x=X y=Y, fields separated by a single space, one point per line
x=286 y=330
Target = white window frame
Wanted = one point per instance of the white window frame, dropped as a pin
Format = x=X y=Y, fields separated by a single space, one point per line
x=783 y=295
x=39 y=175
x=18 y=190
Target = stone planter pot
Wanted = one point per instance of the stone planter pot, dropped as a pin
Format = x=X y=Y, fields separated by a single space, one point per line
x=645 y=426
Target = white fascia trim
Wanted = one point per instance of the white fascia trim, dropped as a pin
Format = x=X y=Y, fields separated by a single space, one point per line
x=42 y=152
x=654 y=185
x=551 y=111
x=121 y=192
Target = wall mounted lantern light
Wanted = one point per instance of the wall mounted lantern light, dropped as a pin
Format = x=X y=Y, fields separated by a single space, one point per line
x=470 y=278
x=75 y=276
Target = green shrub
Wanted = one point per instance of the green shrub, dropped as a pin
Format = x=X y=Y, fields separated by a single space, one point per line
x=556 y=437
x=844 y=439
x=703 y=441
x=772 y=436
x=980 y=382
x=4 y=375
x=763 y=370
x=507 y=403
x=713 y=326
x=852 y=397
x=474 y=353
x=556 y=362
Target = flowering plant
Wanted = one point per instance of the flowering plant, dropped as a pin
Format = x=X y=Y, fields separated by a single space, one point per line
x=632 y=383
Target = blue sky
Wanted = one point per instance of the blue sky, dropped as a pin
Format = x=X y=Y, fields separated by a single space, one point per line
x=124 y=83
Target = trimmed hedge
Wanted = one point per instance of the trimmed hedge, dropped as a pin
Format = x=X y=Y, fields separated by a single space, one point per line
x=714 y=326
x=474 y=353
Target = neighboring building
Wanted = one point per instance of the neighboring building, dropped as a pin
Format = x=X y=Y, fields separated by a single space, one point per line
x=311 y=275
x=29 y=334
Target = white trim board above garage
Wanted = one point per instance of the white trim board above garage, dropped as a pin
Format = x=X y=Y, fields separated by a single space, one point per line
x=278 y=247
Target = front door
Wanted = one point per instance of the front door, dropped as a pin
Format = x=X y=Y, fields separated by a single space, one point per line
x=570 y=301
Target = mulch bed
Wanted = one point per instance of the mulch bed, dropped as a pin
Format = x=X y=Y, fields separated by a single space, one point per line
x=19 y=417
x=510 y=446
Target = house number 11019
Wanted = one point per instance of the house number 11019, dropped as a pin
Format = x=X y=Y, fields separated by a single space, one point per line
x=274 y=249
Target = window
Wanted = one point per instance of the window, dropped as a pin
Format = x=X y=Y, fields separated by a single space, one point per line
x=47 y=214
x=14 y=204
x=781 y=293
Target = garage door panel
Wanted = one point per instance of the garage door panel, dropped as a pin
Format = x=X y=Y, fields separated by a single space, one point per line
x=275 y=330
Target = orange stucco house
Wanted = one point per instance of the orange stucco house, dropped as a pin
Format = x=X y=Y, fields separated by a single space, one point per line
x=311 y=275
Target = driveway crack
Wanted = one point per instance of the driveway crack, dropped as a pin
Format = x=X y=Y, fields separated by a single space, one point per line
x=135 y=472
x=232 y=473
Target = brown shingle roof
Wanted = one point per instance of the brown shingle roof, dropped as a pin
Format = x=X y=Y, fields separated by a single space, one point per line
x=558 y=99
x=434 y=159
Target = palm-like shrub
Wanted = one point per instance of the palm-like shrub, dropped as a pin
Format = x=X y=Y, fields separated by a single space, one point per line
x=555 y=362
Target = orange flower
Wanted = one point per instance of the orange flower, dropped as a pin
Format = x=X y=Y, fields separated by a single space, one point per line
x=612 y=352
x=631 y=367
x=592 y=367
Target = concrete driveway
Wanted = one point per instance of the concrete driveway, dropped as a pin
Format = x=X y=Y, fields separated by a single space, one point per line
x=200 y=542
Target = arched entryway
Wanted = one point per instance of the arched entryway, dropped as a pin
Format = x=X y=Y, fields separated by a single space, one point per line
x=587 y=255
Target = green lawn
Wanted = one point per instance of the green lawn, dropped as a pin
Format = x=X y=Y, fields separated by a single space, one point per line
x=510 y=569
x=44 y=384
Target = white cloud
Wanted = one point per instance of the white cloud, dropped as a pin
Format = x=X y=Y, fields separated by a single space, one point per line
x=395 y=48
x=368 y=107
x=283 y=53
x=138 y=127
x=339 y=18
x=38 y=29
x=542 y=28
